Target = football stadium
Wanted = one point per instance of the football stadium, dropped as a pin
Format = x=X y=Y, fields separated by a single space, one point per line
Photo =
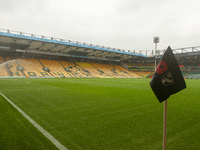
x=62 y=94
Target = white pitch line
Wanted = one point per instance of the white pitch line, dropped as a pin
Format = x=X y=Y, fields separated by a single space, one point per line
x=35 y=124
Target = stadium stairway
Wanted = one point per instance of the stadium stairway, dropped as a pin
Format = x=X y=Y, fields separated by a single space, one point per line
x=102 y=69
x=122 y=71
x=20 y=68
x=65 y=65
x=119 y=71
x=98 y=73
x=151 y=74
x=65 y=69
x=143 y=73
x=90 y=69
x=7 y=68
x=77 y=71
x=84 y=70
x=12 y=66
x=112 y=70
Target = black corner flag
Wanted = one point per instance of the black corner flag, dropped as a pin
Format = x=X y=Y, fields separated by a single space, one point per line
x=167 y=79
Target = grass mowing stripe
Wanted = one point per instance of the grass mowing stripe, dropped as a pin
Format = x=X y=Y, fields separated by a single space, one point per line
x=43 y=131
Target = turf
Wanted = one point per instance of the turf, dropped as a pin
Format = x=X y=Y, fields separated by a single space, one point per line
x=17 y=133
x=86 y=113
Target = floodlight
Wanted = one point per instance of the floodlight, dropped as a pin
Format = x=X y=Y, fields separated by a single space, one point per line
x=156 y=39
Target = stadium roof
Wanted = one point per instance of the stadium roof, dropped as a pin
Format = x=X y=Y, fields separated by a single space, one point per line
x=30 y=43
x=181 y=52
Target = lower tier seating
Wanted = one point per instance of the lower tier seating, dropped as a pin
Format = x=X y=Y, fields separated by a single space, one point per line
x=32 y=67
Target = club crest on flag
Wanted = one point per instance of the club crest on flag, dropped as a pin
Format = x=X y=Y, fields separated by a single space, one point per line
x=167 y=79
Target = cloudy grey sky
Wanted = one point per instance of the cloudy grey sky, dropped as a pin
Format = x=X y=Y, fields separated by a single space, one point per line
x=124 y=24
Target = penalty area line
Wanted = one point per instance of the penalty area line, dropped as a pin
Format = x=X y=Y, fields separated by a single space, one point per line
x=35 y=124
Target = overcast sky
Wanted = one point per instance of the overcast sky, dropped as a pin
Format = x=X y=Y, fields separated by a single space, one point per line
x=124 y=24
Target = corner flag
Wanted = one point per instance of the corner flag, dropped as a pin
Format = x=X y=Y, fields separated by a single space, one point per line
x=167 y=79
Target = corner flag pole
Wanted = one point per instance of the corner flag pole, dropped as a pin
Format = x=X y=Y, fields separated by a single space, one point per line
x=156 y=40
x=165 y=125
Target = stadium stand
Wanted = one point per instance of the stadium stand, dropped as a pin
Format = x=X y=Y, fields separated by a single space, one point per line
x=40 y=56
x=3 y=67
x=191 y=72
x=42 y=67
x=31 y=67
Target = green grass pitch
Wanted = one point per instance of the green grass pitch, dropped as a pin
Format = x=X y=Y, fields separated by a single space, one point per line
x=97 y=114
